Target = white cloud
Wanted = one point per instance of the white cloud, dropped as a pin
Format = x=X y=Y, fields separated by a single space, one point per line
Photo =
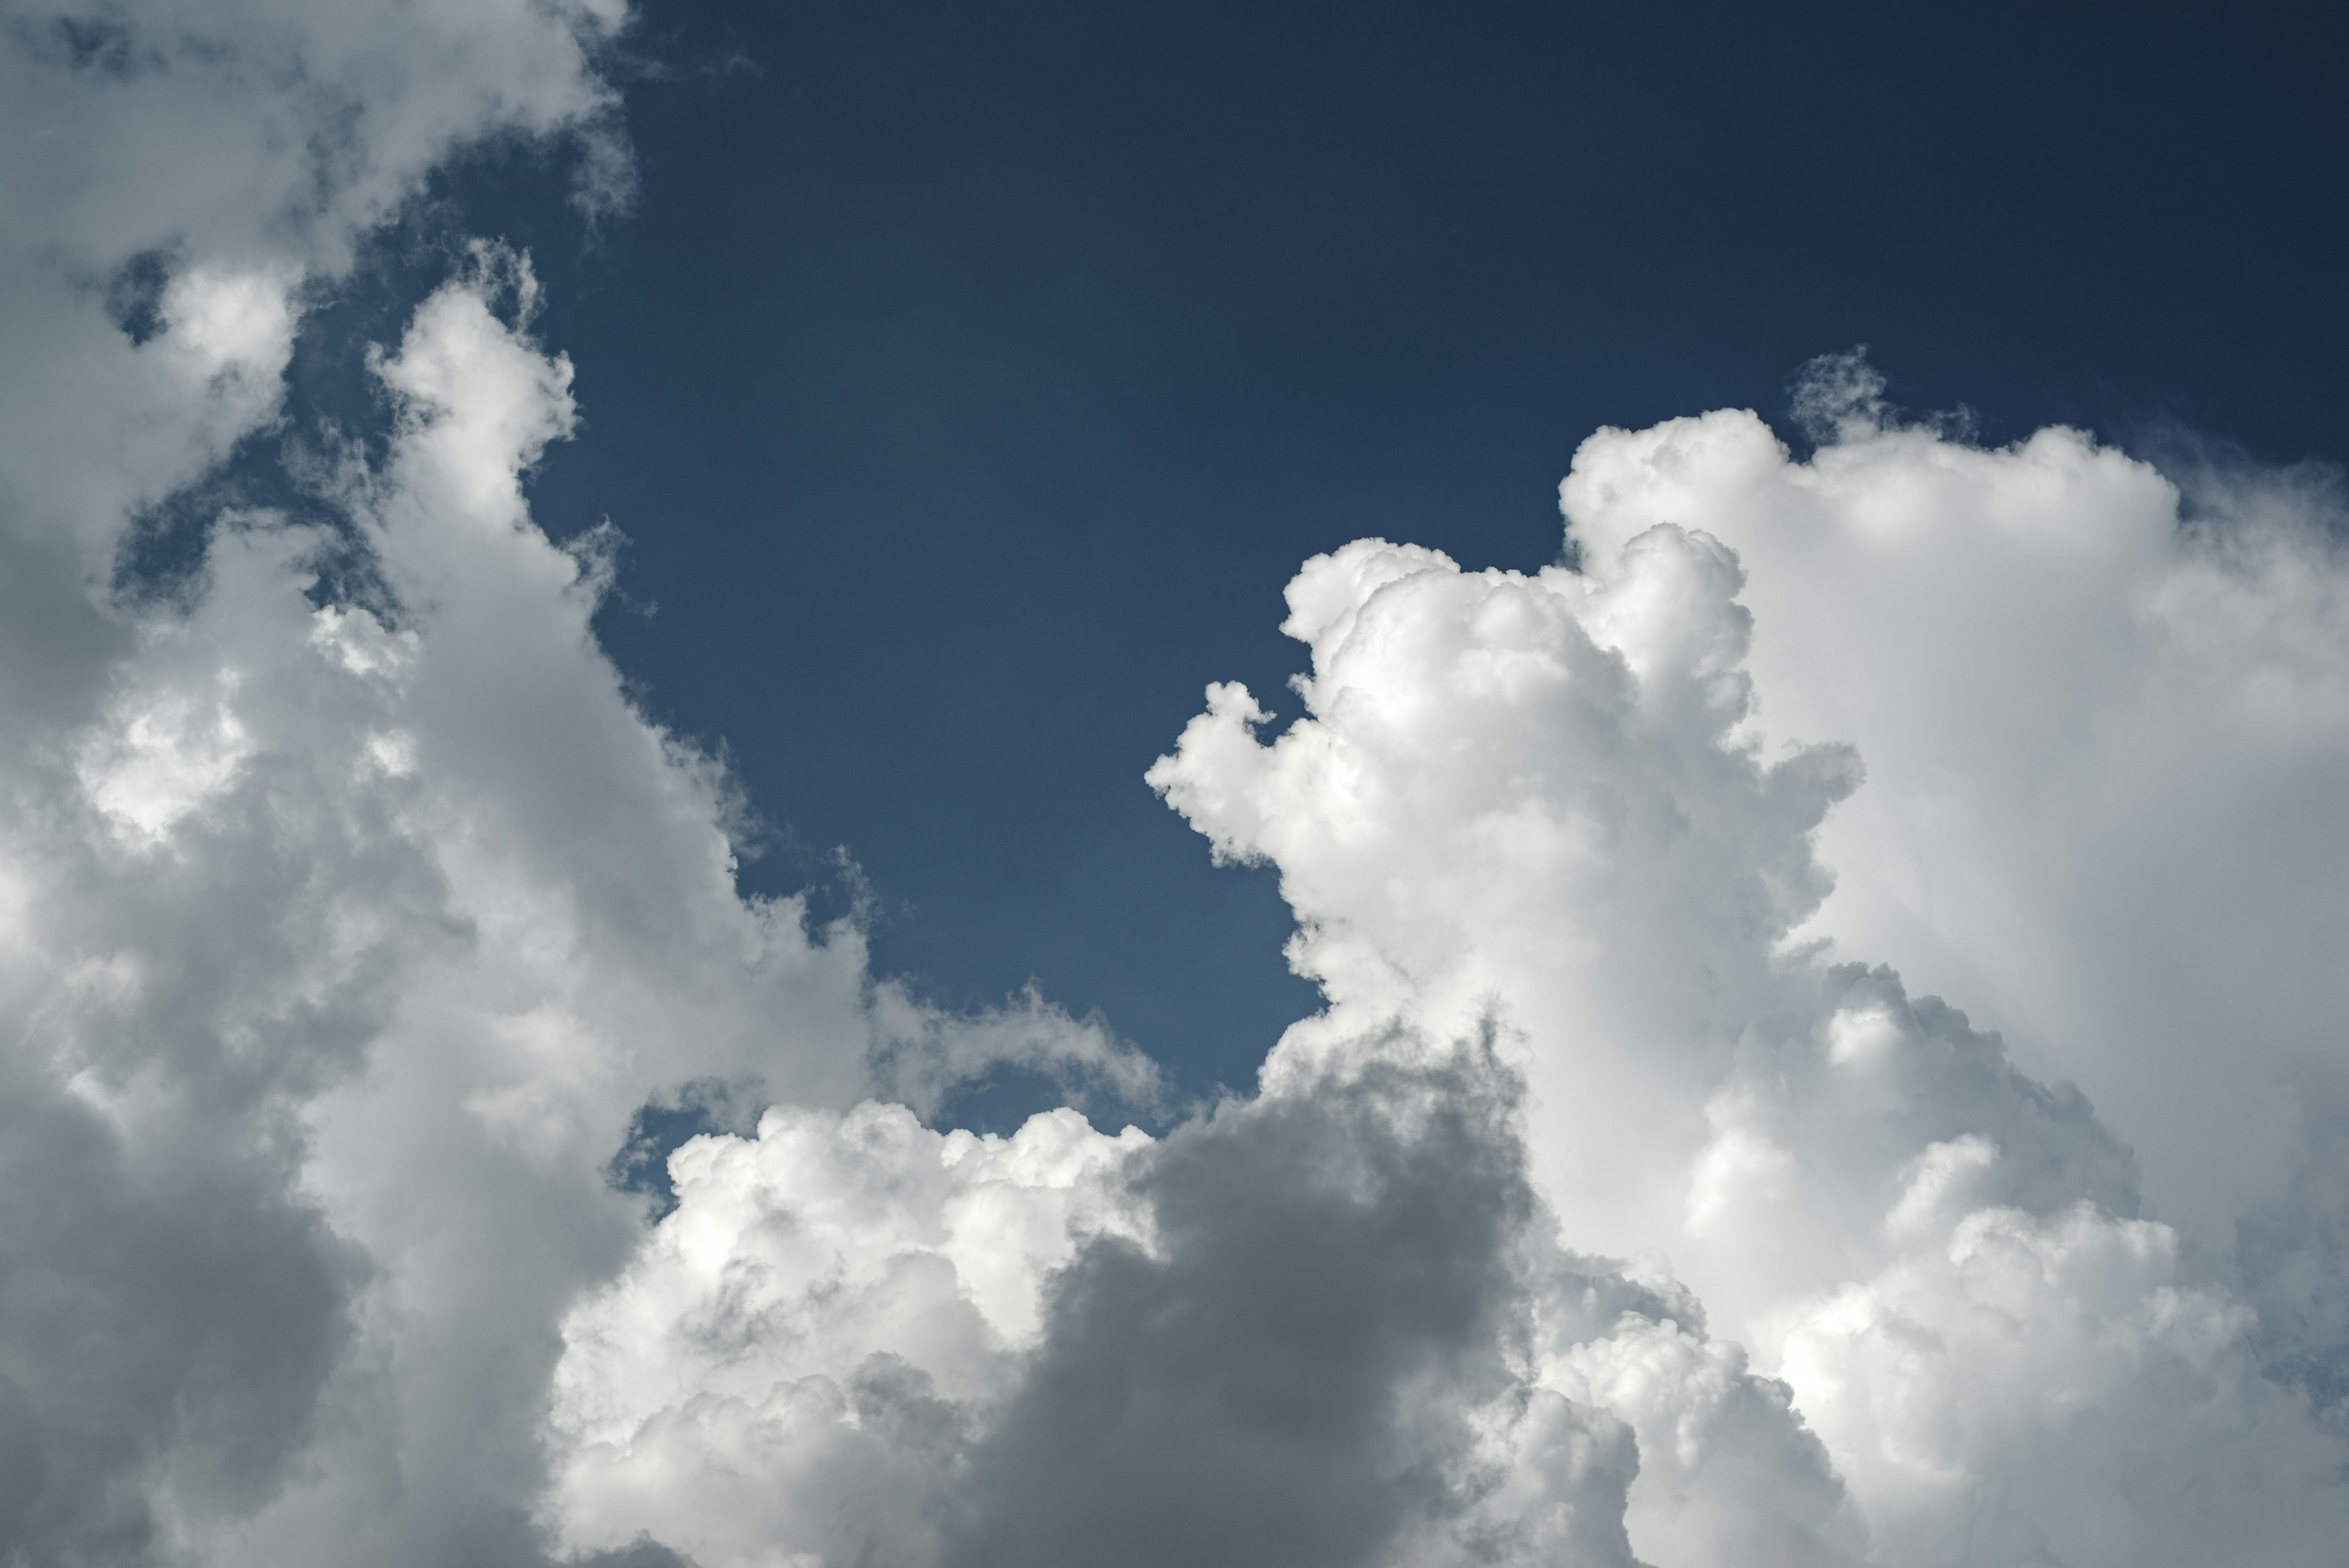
x=2106 y=744
x=401 y=910
x=210 y=920
x=343 y=944
x=343 y=941
x=224 y=154
x=148 y=768
x=2051 y=1389
x=1727 y=1473
x=1548 y=796
x=722 y=1392
x=1327 y=1324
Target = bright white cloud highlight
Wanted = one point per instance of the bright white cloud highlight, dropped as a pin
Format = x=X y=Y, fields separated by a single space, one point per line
x=2105 y=723
x=812 y=1279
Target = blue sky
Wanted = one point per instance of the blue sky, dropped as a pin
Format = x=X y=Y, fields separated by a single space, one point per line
x=1011 y=365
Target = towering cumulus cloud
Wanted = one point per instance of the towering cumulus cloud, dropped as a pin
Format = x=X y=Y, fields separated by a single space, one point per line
x=1621 y=1205
x=1553 y=801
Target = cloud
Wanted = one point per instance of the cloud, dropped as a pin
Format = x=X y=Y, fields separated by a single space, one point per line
x=345 y=929
x=1570 y=798
x=2104 y=715
x=2056 y=1389
x=1306 y=1357
x=204 y=165
x=1326 y=1325
x=782 y=1368
x=1624 y=1202
x=207 y=908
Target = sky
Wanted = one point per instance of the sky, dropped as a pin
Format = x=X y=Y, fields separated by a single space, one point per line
x=1078 y=326
x=1388 y=786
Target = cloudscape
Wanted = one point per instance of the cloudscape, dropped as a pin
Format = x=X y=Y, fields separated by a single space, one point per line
x=1824 y=1038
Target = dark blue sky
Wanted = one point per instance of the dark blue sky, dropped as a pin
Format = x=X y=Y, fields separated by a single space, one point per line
x=970 y=380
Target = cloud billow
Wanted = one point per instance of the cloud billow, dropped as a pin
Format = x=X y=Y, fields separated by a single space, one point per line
x=1629 y=1201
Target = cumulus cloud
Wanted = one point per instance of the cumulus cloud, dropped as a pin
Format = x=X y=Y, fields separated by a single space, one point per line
x=178 y=174
x=1324 y=1326
x=401 y=908
x=1634 y=1197
x=346 y=929
x=2105 y=715
x=1891 y=1298
x=1551 y=797
x=207 y=913
x=782 y=1368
